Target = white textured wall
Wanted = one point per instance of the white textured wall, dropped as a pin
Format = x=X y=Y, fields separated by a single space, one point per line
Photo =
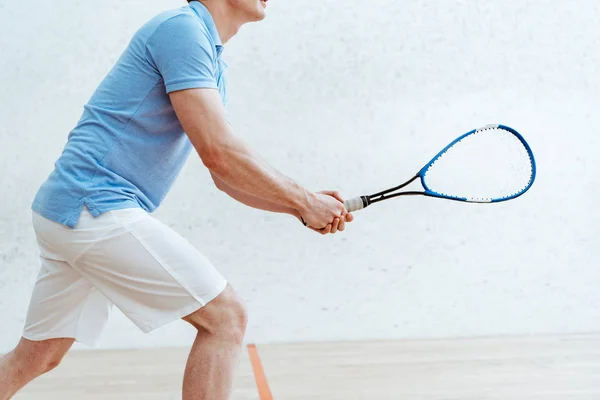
x=351 y=95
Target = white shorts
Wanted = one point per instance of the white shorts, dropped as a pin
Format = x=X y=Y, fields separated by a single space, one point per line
x=124 y=257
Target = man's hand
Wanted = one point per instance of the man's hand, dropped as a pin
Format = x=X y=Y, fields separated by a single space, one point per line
x=326 y=213
x=342 y=222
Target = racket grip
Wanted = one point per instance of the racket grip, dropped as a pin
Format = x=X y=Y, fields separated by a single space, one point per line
x=357 y=203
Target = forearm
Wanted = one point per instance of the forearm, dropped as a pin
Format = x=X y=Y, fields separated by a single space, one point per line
x=252 y=201
x=246 y=173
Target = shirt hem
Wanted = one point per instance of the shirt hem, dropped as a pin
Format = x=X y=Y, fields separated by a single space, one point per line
x=71 y=222
x=55 y=217
x=196 y=84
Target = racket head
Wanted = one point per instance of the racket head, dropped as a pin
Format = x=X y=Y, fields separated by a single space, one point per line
x=519 y=177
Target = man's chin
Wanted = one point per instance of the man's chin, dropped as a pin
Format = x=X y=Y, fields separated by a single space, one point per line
x=259 y=17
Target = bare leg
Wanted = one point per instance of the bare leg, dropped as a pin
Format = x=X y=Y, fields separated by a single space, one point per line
x=213 y=359
x=28 y=361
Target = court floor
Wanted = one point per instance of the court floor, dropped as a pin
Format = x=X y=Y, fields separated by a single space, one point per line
x=519 y=368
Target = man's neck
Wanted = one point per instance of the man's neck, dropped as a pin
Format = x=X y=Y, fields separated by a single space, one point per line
x=226 y=19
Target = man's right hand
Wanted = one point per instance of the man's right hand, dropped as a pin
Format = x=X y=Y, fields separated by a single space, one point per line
x=322 y=212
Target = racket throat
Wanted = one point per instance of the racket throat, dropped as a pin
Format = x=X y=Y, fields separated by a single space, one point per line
x=394 y=192
x=366 y=201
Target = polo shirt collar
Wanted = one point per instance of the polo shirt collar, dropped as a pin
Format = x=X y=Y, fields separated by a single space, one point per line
x=202 y=12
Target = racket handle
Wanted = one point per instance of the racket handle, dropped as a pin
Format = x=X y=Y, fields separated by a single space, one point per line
x=357 y=203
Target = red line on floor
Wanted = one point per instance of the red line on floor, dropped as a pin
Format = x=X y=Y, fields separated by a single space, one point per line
x=259 y=374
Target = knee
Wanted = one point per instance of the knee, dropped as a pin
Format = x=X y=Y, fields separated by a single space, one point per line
x=39 y=363
x=230 y=319
x=234 y=325
x=38 y=357
x=49 y=364
x=225 y=317
x=51 y=361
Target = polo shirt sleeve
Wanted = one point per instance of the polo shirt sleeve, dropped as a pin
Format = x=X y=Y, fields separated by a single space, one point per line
x=182 y=51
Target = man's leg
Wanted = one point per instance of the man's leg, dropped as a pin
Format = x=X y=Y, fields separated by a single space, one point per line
x=28 y=361
x=213 y=359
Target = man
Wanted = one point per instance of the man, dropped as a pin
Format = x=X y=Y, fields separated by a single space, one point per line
x=99 y=246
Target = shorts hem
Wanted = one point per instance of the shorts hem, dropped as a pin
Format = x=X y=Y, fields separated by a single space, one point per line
x=93 y=343
x=184 y=312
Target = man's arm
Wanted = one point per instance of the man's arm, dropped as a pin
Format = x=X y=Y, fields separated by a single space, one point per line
x=202 y=116
x=252 y=201
x=265 y=205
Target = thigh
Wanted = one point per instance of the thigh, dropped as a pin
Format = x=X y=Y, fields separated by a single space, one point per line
x=152 y=274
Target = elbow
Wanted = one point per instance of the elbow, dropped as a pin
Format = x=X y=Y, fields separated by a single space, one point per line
x=214 y=160
x=218 y=182
x=211 y=158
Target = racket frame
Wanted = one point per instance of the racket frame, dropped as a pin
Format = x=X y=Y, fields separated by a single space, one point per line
x=389 y=193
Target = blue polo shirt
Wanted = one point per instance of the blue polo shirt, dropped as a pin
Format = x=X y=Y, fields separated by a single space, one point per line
x=129 y=147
